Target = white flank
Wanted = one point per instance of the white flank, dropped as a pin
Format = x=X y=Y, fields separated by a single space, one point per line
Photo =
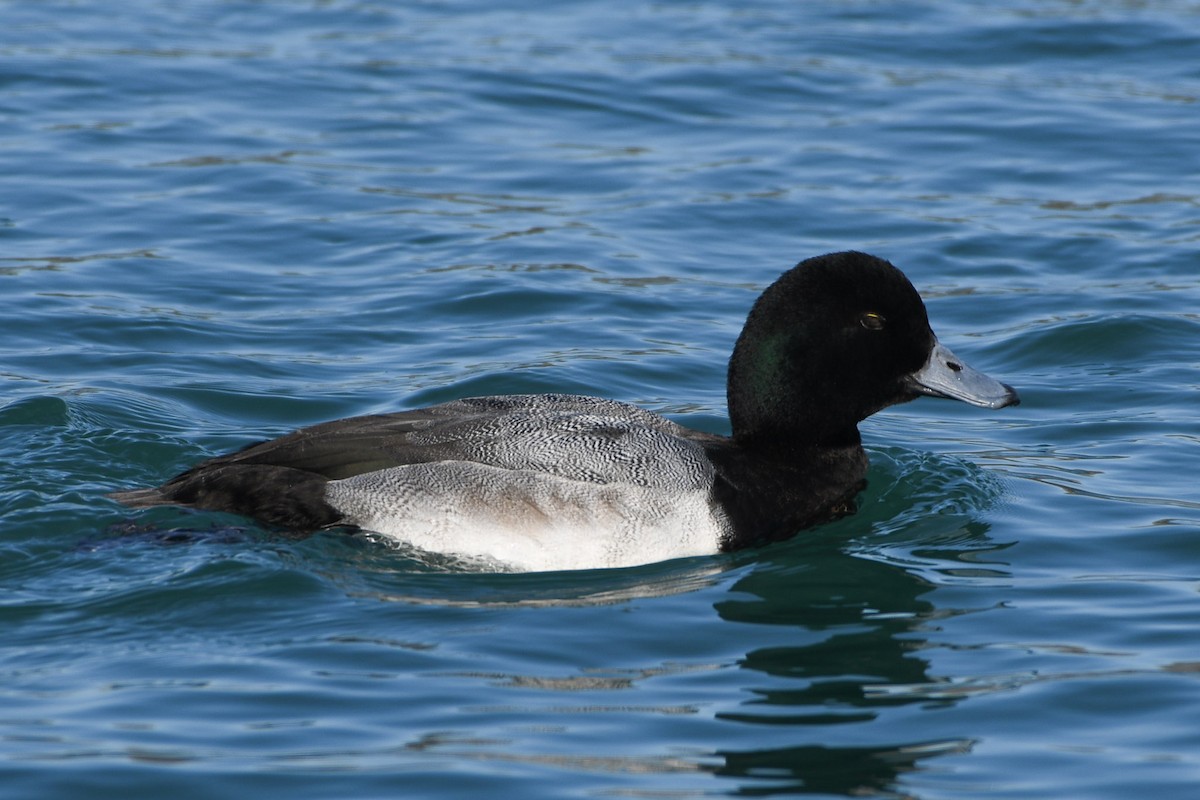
x=529 y=520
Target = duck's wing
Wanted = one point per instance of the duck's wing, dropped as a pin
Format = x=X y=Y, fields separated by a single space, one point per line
x=582 y=438
x=567 y=436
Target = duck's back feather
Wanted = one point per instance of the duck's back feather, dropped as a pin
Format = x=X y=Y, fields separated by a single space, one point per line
x=575 y=437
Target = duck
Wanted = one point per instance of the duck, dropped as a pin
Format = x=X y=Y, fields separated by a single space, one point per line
x=546 y=482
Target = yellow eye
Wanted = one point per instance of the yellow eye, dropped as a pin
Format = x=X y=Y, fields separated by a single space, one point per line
x=872 y=321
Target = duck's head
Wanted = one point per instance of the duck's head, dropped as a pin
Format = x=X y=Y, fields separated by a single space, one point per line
x=832 y=341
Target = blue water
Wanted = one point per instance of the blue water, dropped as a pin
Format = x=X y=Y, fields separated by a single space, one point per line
x=223 y=220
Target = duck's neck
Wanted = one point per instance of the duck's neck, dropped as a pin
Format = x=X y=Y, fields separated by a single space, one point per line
x=770 y=491
x=772 y=408
x=787 y=445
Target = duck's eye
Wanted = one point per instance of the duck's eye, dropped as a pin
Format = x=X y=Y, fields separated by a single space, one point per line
x=872 y=321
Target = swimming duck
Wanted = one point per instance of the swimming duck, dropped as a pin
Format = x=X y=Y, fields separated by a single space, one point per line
x=555 y=481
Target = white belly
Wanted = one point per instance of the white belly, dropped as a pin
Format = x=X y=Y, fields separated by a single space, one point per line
x=529 y=520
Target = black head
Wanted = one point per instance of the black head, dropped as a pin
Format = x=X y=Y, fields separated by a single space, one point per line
x=832 y=341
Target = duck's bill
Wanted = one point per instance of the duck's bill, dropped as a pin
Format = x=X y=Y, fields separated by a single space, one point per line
x=947 y=375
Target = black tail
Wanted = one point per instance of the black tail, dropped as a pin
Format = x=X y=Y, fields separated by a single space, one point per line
x=280 y=496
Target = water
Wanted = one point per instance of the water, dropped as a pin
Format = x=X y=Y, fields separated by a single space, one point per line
x=223 y=220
